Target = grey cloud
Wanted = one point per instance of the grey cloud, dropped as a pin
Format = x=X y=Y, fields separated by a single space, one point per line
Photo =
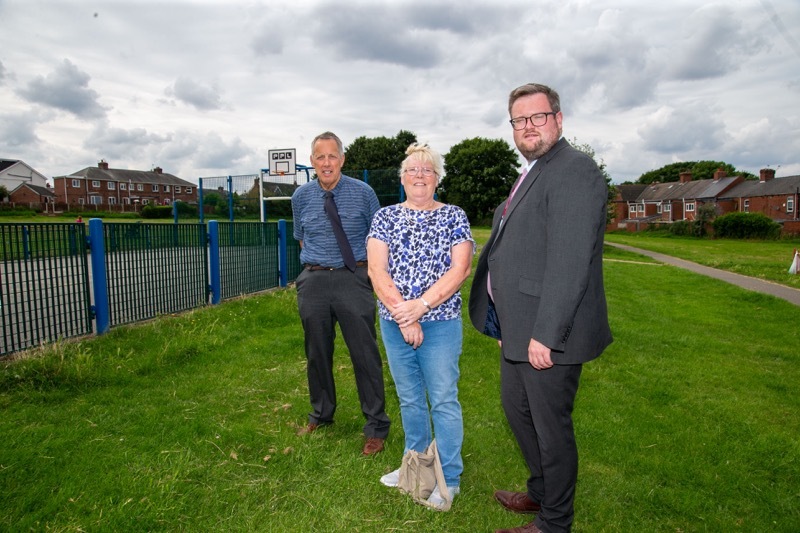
x=19 y=129
x=406 y=35
x=119 y=143
x=713 y=43
x=2 y=73
x=66 y=88
x=199 y=96
x=690 y=129
x=215 y=153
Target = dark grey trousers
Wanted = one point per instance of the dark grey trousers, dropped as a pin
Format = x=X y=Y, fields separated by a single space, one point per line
x=328 y=297
x=538 y=405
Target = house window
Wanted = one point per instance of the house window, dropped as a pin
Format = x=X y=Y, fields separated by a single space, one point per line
x=95 y=184
x=167 y=201
x=155 y=187
x=689 y=207
x=111 y=185
x=81 y=201
x=166 y=188
x=76 y=184
x=95 y=200
x=177 y=189
x=747 y=206
x=139 y=187
x=188 y=190
x=659 y=209
x=790 y=204
x=123 y=187
x=667 y=208
x=145 y=201
x=126 y=200
x=640 y=208
x=112 y=200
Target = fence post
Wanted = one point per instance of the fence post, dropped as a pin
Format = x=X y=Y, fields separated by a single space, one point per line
x=283 y=262
x=97 y=251
x=214 y=276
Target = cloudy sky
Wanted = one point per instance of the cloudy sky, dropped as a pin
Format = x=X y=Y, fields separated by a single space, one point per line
x=206 y=88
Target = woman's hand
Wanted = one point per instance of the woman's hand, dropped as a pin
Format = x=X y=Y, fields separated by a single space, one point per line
x=408 y=312
x=412 y=334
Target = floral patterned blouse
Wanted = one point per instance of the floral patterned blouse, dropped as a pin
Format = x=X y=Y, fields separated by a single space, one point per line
x=420 y=251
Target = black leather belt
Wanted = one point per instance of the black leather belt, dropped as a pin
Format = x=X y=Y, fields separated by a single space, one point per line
x=320 y=267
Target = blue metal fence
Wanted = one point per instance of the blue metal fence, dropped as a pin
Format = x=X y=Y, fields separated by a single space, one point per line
x=50 y=288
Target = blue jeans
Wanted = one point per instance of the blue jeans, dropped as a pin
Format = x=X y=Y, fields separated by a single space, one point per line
x=433 y=369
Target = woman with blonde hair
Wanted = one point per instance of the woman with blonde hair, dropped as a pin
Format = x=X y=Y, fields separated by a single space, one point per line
x=419 y=253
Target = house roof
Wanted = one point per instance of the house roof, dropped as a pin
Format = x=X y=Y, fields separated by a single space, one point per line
x=689 y=190
x=41 y=191
x=773 y=187
x=132 y=176
x=629 y=192
x=5 y=163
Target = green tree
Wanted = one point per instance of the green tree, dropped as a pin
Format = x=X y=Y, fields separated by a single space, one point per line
x=701 y=170
x=479 y=174
x=382 y=157
x=3 y=192
x=372 y=153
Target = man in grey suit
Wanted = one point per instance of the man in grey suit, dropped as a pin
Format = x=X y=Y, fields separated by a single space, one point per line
x=538 y=289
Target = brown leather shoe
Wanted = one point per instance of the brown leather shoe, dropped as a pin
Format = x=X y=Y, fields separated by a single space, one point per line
x=519 y=502
x=373 y=446
x=308 y=429
x=527 y=528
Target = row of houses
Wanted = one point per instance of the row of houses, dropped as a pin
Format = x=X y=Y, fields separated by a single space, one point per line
x=99 y=186
x=638 y=206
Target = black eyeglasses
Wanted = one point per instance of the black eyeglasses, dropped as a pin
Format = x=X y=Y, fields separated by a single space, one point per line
x=537 y=119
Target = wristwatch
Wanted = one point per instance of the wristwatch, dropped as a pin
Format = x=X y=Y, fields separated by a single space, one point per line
x=425 y=303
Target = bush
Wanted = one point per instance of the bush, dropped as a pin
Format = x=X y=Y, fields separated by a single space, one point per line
x=746 y=226
x=157 y=211
x=681 y=227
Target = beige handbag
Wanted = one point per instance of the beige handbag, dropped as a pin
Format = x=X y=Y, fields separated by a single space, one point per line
x=419 y=475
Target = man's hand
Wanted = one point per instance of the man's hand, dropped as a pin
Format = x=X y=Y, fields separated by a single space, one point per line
x=539 y=355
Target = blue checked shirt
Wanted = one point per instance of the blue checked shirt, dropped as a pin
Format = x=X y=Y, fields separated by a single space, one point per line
x=357 y=204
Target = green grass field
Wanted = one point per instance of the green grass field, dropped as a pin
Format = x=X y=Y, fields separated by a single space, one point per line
x=688 y=422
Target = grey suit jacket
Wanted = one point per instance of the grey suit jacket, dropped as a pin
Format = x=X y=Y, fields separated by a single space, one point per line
x=546 y=262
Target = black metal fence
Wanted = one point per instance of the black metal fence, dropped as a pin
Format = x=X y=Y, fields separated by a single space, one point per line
x=44 y=284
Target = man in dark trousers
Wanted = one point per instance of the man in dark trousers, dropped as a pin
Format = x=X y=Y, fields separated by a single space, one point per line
x=538 y=289
x=332 y=216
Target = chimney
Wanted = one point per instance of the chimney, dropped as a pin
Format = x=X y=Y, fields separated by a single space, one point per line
x=686 y=176
x=102 y=165
x=719 y=174
x=766 y=174
x=158 y=170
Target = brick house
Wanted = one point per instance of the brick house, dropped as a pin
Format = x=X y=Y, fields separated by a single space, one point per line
x=664 y=203
x=33 y=196
x=778 y=198
x=115 y=189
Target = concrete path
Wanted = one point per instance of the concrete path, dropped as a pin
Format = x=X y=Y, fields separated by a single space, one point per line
x=746 y=282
